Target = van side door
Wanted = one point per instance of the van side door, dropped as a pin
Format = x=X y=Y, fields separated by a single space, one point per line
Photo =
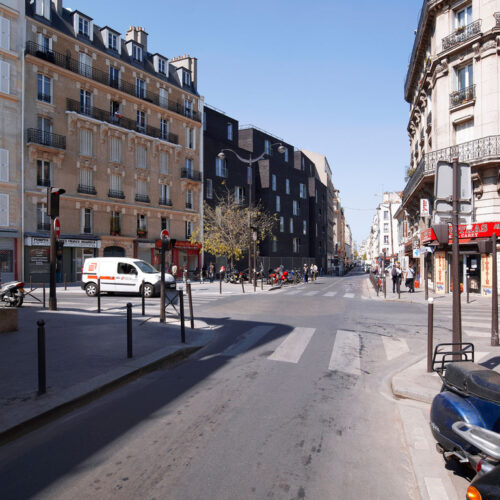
x=126 y=277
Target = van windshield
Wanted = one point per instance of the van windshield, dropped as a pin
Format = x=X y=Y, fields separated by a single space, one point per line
x=145 y=267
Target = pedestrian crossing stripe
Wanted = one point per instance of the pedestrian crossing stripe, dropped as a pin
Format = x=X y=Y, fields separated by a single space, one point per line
x=349 y=295
x=330 y=294
x=247 y=340
x=294 y=345
x=346 y=355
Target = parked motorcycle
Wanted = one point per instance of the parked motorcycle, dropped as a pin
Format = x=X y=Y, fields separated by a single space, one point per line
x=470 y=393
x=12 y=293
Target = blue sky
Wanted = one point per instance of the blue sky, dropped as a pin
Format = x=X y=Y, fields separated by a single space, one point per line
x=324 y=75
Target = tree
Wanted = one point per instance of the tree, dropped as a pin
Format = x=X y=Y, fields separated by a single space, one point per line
x=227 y=227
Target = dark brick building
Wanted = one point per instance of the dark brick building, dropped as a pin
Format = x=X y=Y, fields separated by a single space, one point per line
x=287 y=184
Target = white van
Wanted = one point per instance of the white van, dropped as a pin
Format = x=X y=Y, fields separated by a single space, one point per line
x=122 y=274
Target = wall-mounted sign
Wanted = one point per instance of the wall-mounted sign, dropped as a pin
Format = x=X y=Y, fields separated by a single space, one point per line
x=425 y=210
x=465 y=232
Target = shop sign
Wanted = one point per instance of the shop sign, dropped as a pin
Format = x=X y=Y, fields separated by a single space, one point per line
x=141 y=244
x=187 y=244
x=33 y=241
x=39 y=256
x=424 y=208
x=440 y=271
x=486 y=274
x=465 y=232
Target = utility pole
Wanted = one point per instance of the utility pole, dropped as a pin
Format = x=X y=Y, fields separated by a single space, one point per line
x=457 y=322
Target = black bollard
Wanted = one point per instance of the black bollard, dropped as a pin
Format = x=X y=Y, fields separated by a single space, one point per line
x=242 y=284
x=220 y=284
x=181 y=309
x=430 y=333
x=190 y=302
x=129 y=330
x=65 y=283
x=42 y=377
x=398 y=283
x=143 y=300
x=43 y=294
x=99 y=295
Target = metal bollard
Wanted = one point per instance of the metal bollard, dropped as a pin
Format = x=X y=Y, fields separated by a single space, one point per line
x=430 y=333
x=65 y=283
x=42 y=372
x=31 y=284
x=190 y=302
x=98 y=295
x=262 y=282
x=220 y=284
x=242 y=284
x=468 y=287
x=143 y=298
x=181 y=309
x=385 y=287
x=43 y=295
x=129 y=330
x=399 y=287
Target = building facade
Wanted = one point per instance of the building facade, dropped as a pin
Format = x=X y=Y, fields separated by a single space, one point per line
x=118 y=128
x=452 y=87
x=12 y=22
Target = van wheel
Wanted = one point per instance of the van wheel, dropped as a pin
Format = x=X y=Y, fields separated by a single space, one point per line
x=148 y=290
x=91 y=289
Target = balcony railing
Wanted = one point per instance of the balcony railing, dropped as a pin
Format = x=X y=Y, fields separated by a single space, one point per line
x=482 y=149
x=38 y=136
x=461 y=34
x=143 y=198
x=82 y=188
x=112 y=193
x=165 y=201
x=43 y=182
x=43 y=226
x=104 y=77
x=429 y=120
x=193 y=175
x=120 y=121
x=462 y=96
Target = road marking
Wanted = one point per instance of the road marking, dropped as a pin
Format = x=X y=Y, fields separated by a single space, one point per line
x=364 y=297
x=330 y=294
x=292 y=348
x=315 y=292
x=292 y=292
x=477 y=333
x=394 y=347
x=248 y=340
x=435 y=488
x=349 y=295
x=345 y=355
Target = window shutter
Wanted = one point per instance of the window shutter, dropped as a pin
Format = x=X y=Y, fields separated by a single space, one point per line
x=46 y=9
x=4 y=33
x=4 y=165
x=82 y=220
x=4 y=77
x=4 y=210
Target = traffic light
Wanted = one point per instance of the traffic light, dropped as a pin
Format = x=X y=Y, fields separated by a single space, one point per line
x=59 y=249
x=53 y=195
x=172 y=243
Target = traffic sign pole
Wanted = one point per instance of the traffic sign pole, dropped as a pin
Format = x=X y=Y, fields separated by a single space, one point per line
x=457 y=320
x=164 y=241
x=52 y=286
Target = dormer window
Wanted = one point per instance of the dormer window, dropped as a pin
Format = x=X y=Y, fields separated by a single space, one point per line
x=83 y=27
x=137 y=52
x=162 y=66
x=42 y=8
x=186 y=78
x=112 y=41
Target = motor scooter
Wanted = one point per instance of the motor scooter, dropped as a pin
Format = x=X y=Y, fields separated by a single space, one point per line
x=12 y=293
x=470 y=393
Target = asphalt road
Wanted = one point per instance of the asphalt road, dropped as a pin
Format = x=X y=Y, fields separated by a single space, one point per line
x=290 y=401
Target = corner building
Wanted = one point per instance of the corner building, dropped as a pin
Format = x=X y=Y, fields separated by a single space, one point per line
x=452 y=86
x=118 y=128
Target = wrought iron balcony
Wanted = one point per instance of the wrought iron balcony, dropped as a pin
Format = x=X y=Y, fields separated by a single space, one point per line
x=165 y=201
x=193 y=175
x=483 y=149
x=429 y=120
x=38 y=136
x=82 y=188
x=461 y=34
x=112 y=193
x=143 y=198
x=43 y=182
x=462 y=96
x=120 y=121
x=104 y=77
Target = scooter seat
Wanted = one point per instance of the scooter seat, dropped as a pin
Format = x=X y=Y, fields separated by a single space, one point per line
x=474 y=380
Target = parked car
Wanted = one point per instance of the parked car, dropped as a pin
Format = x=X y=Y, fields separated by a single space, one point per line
x=122 y=274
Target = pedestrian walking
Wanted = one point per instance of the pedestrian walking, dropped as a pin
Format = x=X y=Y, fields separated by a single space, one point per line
x=211 y=272
x=174 y=270
x=315 y=270
x=396 y=276
x=306 y=272
x=410 y=278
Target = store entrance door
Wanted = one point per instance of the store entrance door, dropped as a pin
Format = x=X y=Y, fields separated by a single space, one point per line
x=473 y=267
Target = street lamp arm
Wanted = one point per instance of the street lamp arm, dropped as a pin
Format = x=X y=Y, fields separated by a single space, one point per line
x=248 y=161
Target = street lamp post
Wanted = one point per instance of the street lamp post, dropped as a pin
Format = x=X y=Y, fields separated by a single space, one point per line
x=249 y=161
x=254 y=238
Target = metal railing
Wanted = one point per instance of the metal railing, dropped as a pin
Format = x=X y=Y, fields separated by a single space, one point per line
x=477 y=150
x=38 y=136
x=462 y=96
x=143 y=198
x=112 y=193
x=120 y=121
x=461 y=34
x=43 y=226
x=43 y=182
x=82 y=188
x=104 y=77
x=165 y=201
x=193 y=175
